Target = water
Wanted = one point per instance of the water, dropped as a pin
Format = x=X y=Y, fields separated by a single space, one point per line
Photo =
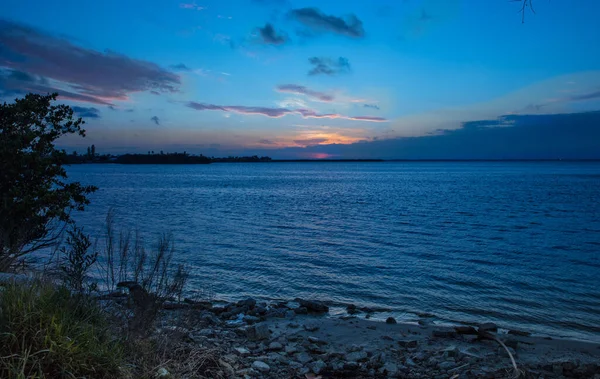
x=513 y=243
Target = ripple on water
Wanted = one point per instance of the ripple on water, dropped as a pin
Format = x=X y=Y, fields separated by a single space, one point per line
x=515 y=243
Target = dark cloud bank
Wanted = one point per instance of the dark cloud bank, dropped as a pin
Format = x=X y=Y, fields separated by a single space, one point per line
x=34 y=61
x=560 y=136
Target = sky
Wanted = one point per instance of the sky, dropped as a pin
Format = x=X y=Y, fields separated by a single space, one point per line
x=406 y=79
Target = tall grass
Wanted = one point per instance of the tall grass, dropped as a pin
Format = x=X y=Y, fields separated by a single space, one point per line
x=47 y=332
x=150 y=274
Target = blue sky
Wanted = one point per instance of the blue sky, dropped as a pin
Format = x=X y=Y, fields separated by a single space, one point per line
x=295 y=78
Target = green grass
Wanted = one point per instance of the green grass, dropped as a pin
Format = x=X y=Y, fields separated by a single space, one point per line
x=46 y=332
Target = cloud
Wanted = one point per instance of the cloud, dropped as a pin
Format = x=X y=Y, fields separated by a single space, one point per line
x=302 y=90
x=155 y=119
x=86 y=112
x=278 y=112
x=191 y=6
x=372 y=106
x=553 y=136
x=269 y=36
x=267 y=142
x=328 y=66
x=180 y=67
x=586 y=96
x=76 y=72
x=319 y=22
x=310 y=141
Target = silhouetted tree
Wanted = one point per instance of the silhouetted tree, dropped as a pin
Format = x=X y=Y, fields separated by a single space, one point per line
x=35 y=198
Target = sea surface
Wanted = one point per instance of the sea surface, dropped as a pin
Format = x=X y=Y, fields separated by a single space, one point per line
x=513 y=243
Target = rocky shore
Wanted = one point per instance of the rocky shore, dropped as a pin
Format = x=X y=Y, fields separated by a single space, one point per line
x=299 y=339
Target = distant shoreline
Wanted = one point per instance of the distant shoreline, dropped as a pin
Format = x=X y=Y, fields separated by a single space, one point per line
x=354 y=161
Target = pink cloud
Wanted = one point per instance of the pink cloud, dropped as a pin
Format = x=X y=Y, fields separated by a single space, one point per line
x=302 y=90
x=278 y=112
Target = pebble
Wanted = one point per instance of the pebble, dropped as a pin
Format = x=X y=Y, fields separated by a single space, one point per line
x=242 y=351
x=311 y=327
x=275 y=346
x=303 y=358
x=318 y=366
x=356 y=356
x=261 y=366
x=391 y=320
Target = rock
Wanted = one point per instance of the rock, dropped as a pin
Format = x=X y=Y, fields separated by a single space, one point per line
x=291 y=349
x=318 y=366
x=242 y=351
x=303 y=358
x=408 y=343
x=316 y=349
x=249 y=302
x=290 y=314
x=251 y=319
x=356 y=356
x=311 y=327
x=301 y=311
x=512 y=343
x=317 y=341
x=260 y=310
x=387 y=338
x=465 y=330
x=275 y=346
x=488 y=327
x=443 y=333
x=351 y=309
x=258 y=332
x=389 y=368
x=409 y=362
x=371 y=327
x=162 y=373
x=391 y=320
x=519 y=333
x=313 y=305
x=450 y=352
x=261 y=366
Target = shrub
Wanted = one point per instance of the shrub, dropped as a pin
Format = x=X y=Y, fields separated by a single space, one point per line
x=150 y=275
x=76 y=260
x=46 y=332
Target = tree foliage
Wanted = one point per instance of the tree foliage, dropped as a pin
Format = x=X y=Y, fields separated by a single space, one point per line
x=35 y=197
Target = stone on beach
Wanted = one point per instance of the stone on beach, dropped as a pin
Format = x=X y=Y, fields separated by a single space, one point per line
x=314 y=306
x=261 y=366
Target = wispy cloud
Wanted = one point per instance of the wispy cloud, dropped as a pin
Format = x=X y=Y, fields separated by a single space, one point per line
x=317 y=21
x=302 y=90
x=328 y=66
x=192 y=6
x=76 y=72
x=310 y=141
x=155 y=119
x=270 y=36
x=279 y=112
